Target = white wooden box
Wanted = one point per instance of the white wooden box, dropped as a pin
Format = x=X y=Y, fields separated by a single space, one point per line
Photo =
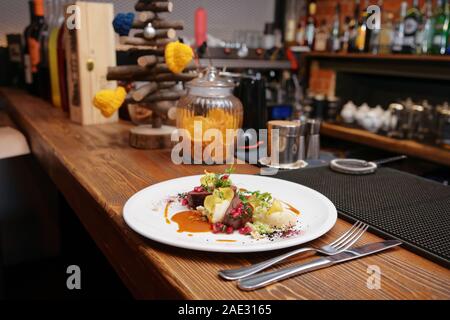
x=90 y=50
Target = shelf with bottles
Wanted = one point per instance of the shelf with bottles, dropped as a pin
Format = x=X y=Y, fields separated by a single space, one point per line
x=390 y=56
x=417 y=31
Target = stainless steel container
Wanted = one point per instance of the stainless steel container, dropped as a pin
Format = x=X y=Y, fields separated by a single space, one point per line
x=287 y=149
x=302 y=141
x=397 y=122
x=416 y=118
x=313 y=139
x=443 y=126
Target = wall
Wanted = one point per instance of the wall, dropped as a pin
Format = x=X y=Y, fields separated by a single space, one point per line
x=225 y=16
x=321 y=80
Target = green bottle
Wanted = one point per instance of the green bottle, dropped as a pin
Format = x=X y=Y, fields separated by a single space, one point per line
x=425 y=38
x=413 y=20
x=441 y=30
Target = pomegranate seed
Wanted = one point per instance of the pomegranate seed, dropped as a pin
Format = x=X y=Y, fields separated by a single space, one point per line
x=230 y=230
x=184 y=202
x=217 y=227
x=225 y=177
x=245 y=230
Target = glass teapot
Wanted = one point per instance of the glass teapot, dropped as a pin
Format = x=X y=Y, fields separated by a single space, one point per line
x=210 y=104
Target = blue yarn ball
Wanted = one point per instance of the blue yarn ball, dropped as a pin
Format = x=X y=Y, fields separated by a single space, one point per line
x=123 y=22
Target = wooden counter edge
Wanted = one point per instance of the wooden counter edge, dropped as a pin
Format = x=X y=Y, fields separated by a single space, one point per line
x=61 y=174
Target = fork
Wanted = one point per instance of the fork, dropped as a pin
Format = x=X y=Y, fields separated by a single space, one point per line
x=341 y=244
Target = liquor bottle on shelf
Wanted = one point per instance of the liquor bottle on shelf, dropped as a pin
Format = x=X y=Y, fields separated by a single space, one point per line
x=413 y=20
x=335 y=37
x=54 y=26
x=28 y=75
x=300 y=36
x=374 y=39
x=62 y=67
x=441 y=30
x=322 y=35
x=363 y=33
x=353 y=28
x=291 y=23
x=44 y=85
x=40 y=80
x=425 y=37
x=386 y=34
x=311 y=25
x=345 y=35
x=397 y=43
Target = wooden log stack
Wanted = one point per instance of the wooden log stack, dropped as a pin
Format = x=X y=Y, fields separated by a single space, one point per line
x=152 y=32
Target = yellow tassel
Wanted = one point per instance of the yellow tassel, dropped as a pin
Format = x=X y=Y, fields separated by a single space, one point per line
x=109 y=101
x=178 y=55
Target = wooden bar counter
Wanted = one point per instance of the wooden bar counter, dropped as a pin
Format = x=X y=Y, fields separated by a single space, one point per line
x=96 y=171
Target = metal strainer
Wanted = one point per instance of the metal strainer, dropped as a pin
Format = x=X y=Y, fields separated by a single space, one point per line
x=357 y=167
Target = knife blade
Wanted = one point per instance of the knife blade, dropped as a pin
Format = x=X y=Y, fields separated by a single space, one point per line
x=261 y=280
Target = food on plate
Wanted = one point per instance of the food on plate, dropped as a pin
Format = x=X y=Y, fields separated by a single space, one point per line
x=228 y=209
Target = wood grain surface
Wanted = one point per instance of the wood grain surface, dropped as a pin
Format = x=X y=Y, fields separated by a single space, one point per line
x=97 y=172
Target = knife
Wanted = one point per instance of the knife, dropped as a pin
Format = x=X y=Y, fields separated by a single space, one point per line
x=261 y=280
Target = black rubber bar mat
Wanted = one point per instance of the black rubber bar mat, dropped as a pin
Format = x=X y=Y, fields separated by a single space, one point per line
x=395 y=204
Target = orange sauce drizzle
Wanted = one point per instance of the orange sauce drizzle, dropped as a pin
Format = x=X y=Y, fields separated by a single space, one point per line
x=191 y=221
x=291 y=208
x=166 y=212
x=225 y=240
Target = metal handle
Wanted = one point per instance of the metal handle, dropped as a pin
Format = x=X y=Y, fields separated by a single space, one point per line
x=240 y=273
x=262 y=280
x=388 y=160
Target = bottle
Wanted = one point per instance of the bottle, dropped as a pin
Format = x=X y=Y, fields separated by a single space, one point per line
x=62 y=68
x=322 y=34
x=441 y=30
x=425 y=38
x=412 y=22
x=363 y=33
x=335 y=38
x=44 y=84
x=346 y=35
x=201 y=26
x=34 y=46
x=269 y=37
x=353 y=28
x=54 y=26
x=397 y=44
x=386 y=34
x=291 y=23
x=300 y=36
x=26 y=52
x=311 y=25
x=374 y=40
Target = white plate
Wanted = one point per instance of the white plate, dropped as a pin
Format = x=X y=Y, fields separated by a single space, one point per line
x=144 y=213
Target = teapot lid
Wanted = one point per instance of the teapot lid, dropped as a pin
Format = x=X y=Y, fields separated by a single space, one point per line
x=211 y=78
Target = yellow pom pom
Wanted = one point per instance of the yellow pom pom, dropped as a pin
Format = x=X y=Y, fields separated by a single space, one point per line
x=178 y=55
x=108 y=101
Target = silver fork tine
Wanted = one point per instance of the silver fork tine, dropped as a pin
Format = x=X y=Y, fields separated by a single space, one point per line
x=344 y=240
x=348 y=231
x=355 y=238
